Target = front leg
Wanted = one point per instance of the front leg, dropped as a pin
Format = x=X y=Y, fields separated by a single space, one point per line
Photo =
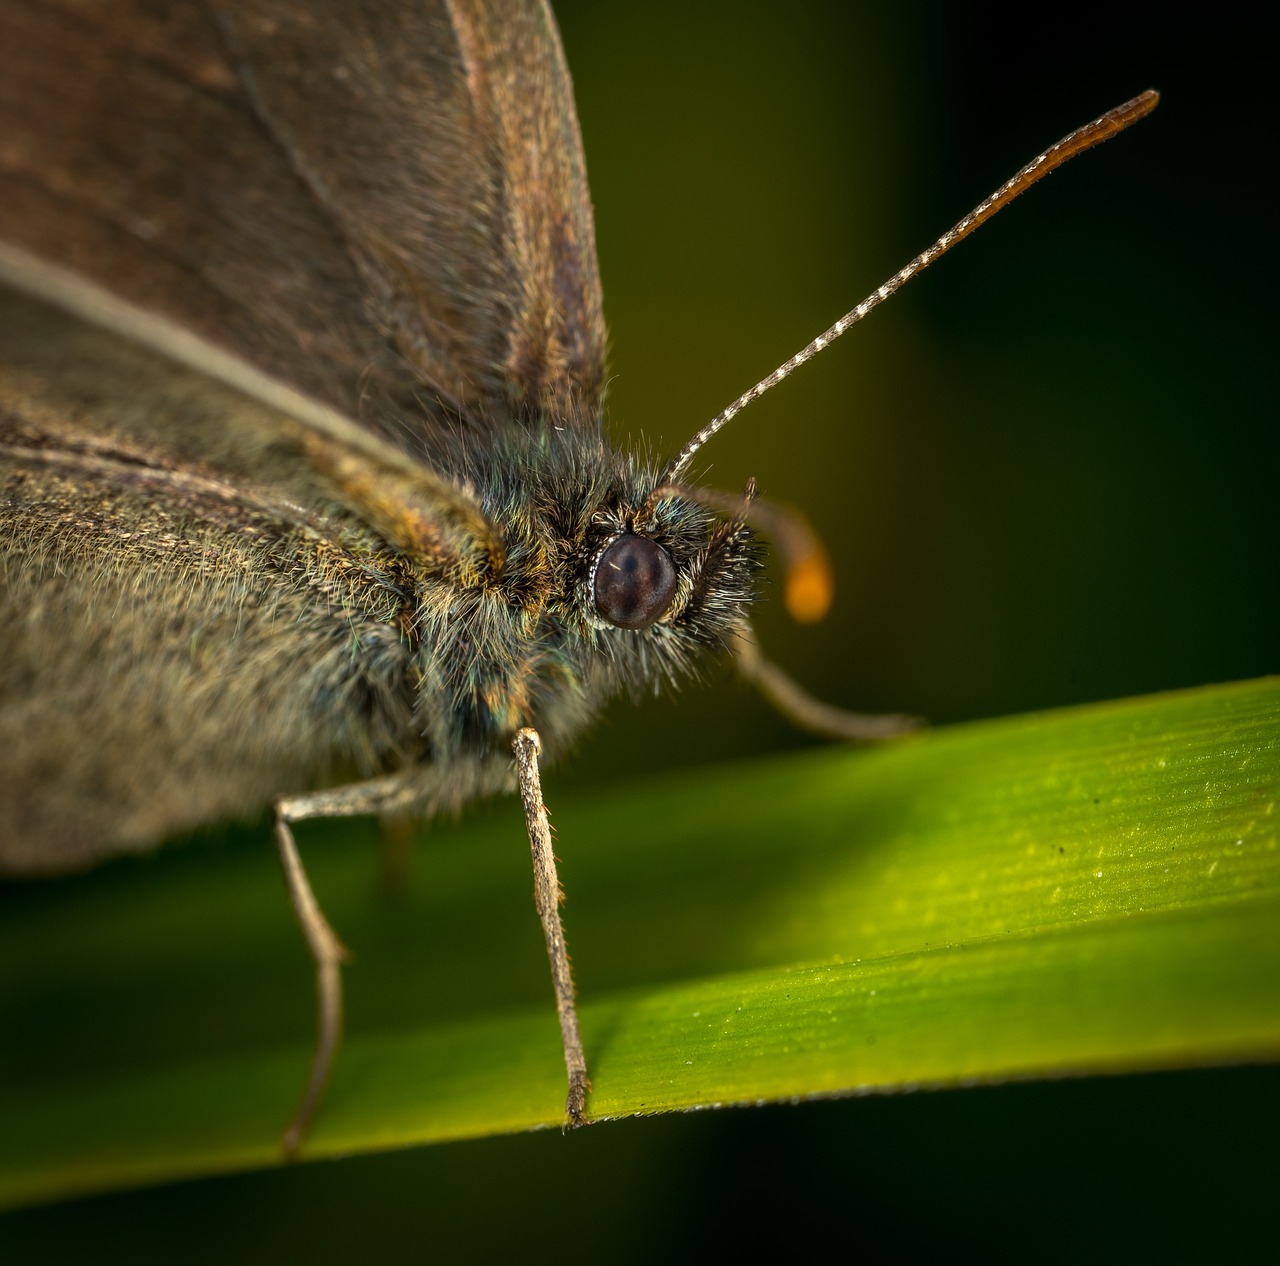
x=548 y=895
x=807 y=713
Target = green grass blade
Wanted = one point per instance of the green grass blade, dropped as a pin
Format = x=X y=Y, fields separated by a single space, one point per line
x=1093 y=890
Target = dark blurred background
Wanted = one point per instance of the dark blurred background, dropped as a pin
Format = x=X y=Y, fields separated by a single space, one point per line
x=1046 y=473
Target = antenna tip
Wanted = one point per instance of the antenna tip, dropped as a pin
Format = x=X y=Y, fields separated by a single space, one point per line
x=809 y=587
x=1138 y=108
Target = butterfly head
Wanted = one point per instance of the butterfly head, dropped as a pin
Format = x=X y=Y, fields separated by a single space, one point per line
x=608 y=583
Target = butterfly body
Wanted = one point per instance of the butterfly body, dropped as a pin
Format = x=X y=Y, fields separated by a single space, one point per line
x=195 y=622
x=210 y=603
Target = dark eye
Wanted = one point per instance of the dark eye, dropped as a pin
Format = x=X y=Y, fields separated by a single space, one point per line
x=635 y=582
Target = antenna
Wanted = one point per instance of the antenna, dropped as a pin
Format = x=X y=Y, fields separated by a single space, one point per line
x=1083 y=138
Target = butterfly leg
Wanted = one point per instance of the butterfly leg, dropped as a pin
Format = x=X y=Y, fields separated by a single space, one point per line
x=807 y=713
x=327 y=951
x=548 y=896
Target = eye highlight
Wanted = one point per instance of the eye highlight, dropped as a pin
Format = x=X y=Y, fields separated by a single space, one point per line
x=635 y=582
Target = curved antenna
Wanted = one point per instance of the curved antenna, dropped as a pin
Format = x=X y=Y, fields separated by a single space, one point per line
x=809 y=585
x=1083 y=138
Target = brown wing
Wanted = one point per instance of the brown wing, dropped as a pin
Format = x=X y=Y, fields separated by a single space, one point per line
x=384 y=206
x=179 y=603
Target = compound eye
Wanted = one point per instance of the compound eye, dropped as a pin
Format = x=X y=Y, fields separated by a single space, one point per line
x=635 y=582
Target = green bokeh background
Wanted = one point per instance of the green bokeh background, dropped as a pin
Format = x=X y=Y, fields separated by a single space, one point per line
x=1046 y=473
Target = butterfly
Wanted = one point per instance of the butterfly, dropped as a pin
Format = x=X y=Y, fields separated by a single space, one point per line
x=306 y=499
